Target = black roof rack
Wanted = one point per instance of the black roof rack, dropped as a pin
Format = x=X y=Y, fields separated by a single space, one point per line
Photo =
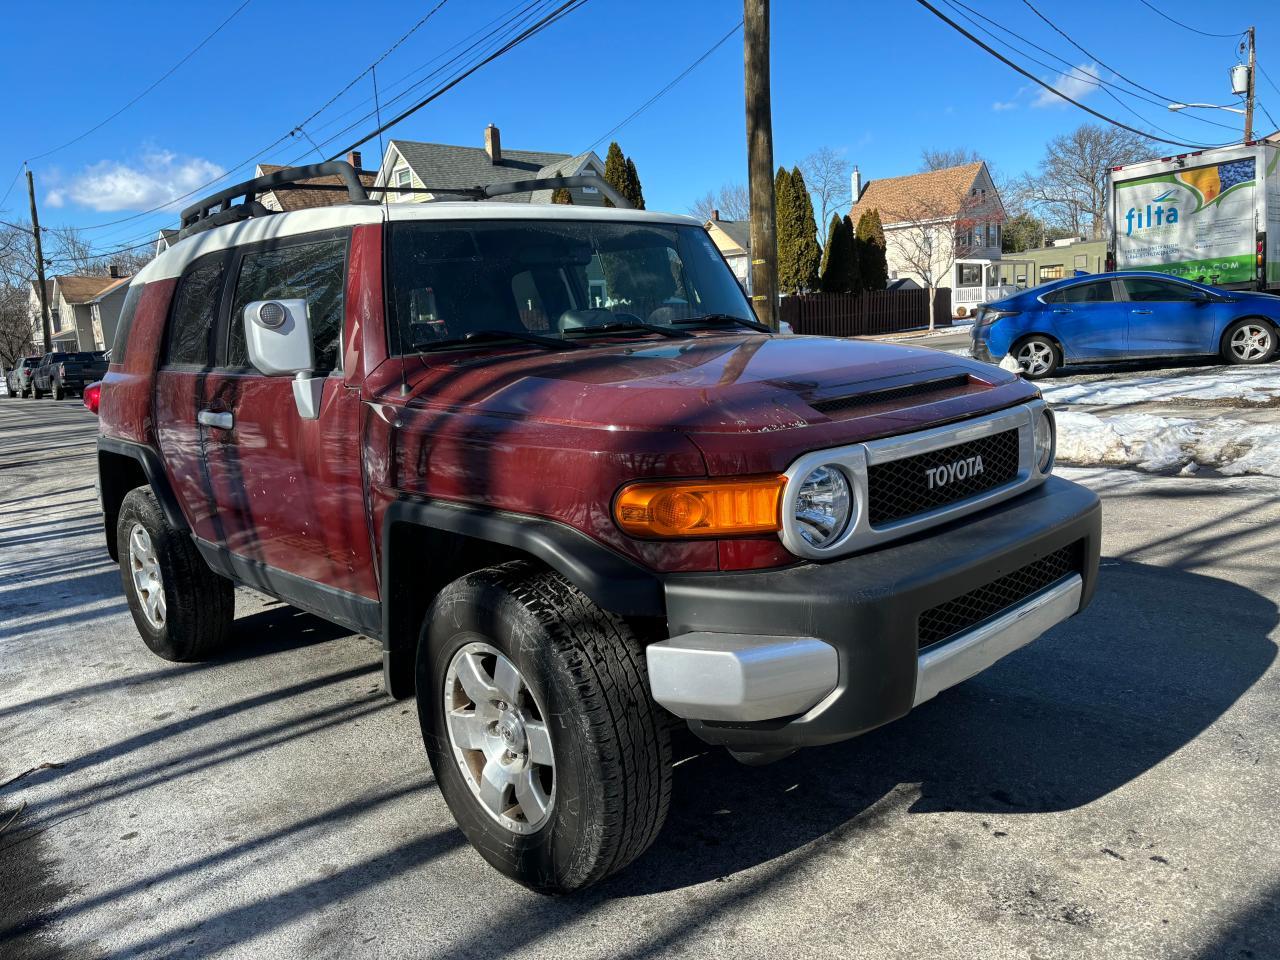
x=220 y=208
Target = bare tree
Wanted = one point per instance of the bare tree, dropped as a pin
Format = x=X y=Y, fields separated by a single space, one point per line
x=826 y=174
x=16 y=334
x=1069 y=190
x=930 y=234
x=732 y=200
x=955 y=157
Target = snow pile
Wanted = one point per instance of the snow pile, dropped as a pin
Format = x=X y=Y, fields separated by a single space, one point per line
x=1249 y=384
x=1161 y=443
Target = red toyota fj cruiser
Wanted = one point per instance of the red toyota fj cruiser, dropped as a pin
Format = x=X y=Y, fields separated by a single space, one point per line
x=546 y=454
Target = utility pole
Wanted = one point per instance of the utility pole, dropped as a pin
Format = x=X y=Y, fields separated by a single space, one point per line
x=1248 y=103
x=764 y=238
x=44 y=296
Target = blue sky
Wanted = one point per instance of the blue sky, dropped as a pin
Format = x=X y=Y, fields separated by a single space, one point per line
x=878 y=81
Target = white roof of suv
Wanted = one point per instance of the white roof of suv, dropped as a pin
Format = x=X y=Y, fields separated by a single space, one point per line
x=173 y=261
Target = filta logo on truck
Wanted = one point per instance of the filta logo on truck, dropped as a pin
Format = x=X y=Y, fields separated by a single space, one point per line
x=1204 y=216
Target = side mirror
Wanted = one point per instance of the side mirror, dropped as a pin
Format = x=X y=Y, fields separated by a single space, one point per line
x=278 y=335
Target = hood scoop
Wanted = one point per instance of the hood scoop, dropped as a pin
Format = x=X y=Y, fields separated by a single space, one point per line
x=933 y=389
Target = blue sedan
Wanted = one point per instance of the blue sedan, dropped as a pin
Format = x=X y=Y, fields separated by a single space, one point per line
x=1125 y=316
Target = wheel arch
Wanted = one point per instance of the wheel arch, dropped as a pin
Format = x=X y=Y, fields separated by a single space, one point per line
x=1269 y=321
x=457 y=539
x=125 y=466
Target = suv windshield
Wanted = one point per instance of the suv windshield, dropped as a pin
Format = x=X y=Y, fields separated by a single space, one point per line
x=554 y=278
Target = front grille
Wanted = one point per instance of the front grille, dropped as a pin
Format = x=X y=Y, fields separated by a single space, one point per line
x=901 y=488
x=946 y=620
x=892 y=394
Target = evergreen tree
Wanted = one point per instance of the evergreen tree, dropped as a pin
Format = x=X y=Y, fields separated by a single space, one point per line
x=788 y=227
x=561 y=194
x=615 y=171
x=633 y=190
x=810 y=254
x=839 y=260
x=872 y=261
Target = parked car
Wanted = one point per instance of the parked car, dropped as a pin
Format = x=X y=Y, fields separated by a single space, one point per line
x=19 y=377
x=569 y=525
x=1125 y=316
x=60 y=374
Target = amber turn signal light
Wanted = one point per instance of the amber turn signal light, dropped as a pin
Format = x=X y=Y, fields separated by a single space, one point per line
x=701 y=508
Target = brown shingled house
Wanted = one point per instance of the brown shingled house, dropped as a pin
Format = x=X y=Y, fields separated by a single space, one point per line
x=80 y=316
x=940 y=226
x=303 y=199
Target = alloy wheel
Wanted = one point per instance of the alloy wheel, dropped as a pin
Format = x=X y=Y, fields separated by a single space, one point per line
x=1251 y=342
x=1035 y=358
x=144 y=566
x=499 y=737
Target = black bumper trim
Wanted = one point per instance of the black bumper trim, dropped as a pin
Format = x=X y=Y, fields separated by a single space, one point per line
x=867 y=606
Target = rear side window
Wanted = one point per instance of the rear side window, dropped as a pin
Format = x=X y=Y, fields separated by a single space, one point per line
x=127 y=310
x=1153 y=291
x=195 y=311
x=314 y=272
x=1099 y=292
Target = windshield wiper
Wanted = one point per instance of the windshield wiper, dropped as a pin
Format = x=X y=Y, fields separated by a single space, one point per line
x=722 y=319
x=476 y=336
x=634 y=325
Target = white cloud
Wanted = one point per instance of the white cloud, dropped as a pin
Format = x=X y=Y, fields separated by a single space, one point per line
x=1076 y=83
x=157 y=177
x=999 y=106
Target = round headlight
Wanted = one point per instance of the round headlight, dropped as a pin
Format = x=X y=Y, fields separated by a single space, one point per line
x=1045 y=434
x=822 y=506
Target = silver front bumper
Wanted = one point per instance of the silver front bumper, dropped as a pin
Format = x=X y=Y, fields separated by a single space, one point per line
x=743 y=678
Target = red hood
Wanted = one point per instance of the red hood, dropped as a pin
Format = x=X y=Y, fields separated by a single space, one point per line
x=714 y=384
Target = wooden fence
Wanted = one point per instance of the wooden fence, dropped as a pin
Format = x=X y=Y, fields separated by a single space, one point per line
x=851 y=315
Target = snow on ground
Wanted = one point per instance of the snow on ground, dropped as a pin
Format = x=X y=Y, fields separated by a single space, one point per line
x=1153 y=442
x=1249 y=384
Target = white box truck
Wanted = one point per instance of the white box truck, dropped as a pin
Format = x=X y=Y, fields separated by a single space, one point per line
x=1211 y=216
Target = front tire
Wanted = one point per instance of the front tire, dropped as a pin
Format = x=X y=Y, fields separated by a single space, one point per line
x=1038 y=357
x=1248 y=342
x=37 y=392
x=536 y=715
x=182 y=608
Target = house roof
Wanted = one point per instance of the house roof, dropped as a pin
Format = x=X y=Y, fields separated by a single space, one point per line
x=307 y=199
x=739 y=231
x=919 y=196
x=111 y=288
x=443 y=165
x=76 y=289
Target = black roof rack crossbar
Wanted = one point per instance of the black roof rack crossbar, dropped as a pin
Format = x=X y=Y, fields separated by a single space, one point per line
x=215 y=210
x=557 y=183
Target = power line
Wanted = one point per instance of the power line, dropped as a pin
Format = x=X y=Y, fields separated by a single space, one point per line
x=1261 y=70
x=1100 y=62
x=561 y=11
x=1032 y=77
x=1216 y=36
x=292 y=134
x=1073 y=72
x=12 y=183
x=165 y=76
x=658 y=96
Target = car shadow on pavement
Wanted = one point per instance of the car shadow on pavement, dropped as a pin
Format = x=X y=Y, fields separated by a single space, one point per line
x=1159 y=656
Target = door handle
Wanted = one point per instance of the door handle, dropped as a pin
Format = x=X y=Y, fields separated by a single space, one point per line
x=223 y=421
x=1142 y=311
x=1061 y=310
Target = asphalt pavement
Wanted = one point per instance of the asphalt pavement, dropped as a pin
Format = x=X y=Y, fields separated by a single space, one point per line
x=1112 y=790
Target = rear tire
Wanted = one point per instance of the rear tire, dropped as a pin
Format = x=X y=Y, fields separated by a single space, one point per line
x=1249 y=341
x=556 y=763
x=58 y=392
x=1038 y=357
x=37 y=392
x=182 y=608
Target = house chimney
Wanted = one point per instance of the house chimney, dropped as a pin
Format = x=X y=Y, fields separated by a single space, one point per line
x=493 y=144
x=715 y=214
x=353 y=158
x=113 y=271
x=855 y=183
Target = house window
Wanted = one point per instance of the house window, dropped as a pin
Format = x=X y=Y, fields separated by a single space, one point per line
x=969 y=275
x=1082 y=261
x=1052 y=271
x=404 y=179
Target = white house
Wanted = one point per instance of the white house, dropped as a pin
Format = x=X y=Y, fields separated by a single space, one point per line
x=443 y=166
